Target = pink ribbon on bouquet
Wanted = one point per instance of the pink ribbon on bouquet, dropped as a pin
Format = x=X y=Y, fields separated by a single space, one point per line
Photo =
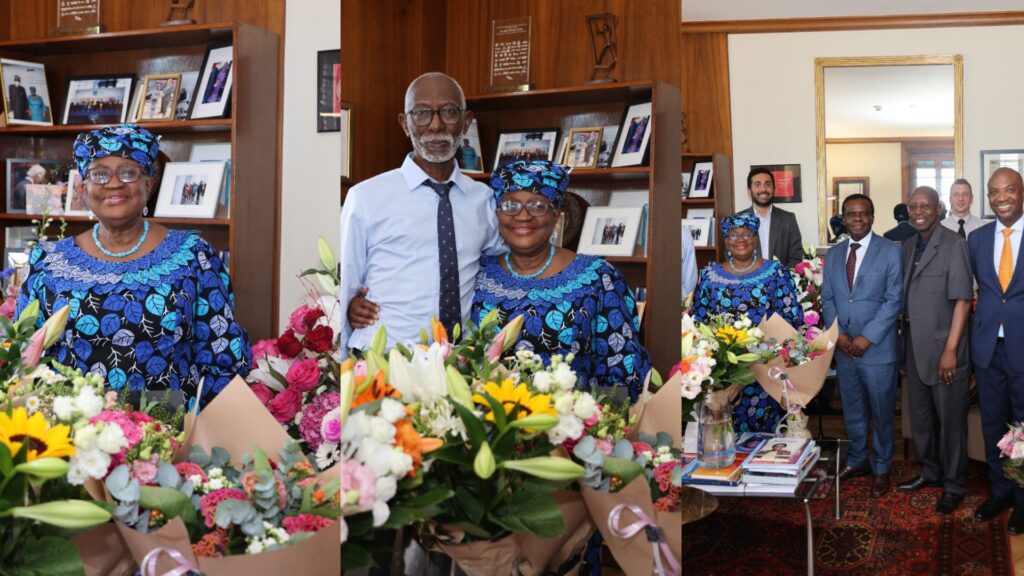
x=149 y=563
x=777 y=373
x=654 y=535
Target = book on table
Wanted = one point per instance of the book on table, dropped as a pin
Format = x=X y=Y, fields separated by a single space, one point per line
x=694 y=473
x=750 y=441
x=779 y=455
x=783 y=478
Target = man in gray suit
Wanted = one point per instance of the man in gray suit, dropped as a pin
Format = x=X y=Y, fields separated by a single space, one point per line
x=778 y=230
x=938 y=289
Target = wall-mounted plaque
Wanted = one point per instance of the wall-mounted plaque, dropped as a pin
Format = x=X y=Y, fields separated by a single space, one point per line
x=510 y=55
x=78 y=17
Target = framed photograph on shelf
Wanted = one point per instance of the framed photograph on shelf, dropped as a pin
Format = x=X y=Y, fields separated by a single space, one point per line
x=583 y=147
x=215 y=79
x=25 y=172
x=538 y=144
x=159 y=99
x=634 y=135
x=685 y=177
x=328 y=90
x=210 y=152
x=610 y=231
x=185 y=94
x=700 y=213
x=74 y=203
x=26 y=96
x=98 y=99
x=604 y=155
x=700 y=180
x=45 y=198
x=787 y=182
x=470 y=155
x=700 y=230
x=190 y=189
x=992 y=160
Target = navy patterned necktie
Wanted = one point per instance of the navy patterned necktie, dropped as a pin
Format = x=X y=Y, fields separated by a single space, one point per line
x=449 y=303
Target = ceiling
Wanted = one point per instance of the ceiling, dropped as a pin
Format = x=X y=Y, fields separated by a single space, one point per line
x=889 y=101
x=710 y=10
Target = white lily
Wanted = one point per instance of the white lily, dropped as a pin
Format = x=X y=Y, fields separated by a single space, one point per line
x=421 y=379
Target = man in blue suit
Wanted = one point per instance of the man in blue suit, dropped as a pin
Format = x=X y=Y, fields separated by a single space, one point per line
x=997 y=335
x=862 y=289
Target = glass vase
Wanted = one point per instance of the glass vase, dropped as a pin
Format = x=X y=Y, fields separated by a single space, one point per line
x=716 y=439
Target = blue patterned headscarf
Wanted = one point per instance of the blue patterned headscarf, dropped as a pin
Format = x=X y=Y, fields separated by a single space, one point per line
x=125 y=140
x=740 y=220
x=540 y=176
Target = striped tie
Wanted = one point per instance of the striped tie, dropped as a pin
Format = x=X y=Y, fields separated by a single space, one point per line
x=1006 y=260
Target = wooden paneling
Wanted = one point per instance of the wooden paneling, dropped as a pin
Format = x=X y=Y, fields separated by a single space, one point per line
x=855 y=23
x=705 y=81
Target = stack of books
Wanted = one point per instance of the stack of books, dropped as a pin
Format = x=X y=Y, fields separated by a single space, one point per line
x=780 y=461
x=694 y=473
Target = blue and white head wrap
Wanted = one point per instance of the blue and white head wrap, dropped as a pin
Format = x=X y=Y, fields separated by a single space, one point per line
x=740 y=220
x=125 y=140
x=540 y=176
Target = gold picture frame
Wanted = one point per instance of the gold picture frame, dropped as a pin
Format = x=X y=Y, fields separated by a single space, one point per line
x=159 y=99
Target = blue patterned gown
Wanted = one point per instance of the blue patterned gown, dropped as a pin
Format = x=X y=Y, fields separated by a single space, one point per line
x=159 y=322
x=758 y=293
x=586 y=309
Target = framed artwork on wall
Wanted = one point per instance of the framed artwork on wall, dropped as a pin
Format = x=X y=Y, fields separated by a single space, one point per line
x=328 y=91
x=787 y=182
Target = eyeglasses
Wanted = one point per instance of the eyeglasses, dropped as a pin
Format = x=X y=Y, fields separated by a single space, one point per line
x=126 y=174
x=740 y=235
x=514 y=207
x=423 y=116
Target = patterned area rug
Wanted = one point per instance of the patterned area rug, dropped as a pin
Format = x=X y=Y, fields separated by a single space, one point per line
x=896 y=535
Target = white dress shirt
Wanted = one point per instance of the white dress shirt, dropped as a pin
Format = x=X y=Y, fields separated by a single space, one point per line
x=389 y=245
x=763 y=228
x=971 y=223
x=864 y=242
x=997 y=254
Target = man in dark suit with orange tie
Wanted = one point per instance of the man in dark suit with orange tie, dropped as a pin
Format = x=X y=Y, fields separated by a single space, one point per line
x=997 y=335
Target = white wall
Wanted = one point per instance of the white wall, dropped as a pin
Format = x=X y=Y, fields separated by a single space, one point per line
x=311 y=161
x=772 y=95
x=881 y=163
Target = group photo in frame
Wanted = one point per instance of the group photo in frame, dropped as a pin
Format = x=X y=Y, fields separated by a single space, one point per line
x=159 y=99
x=700 y=180
x=610 y=230
x=532 y=144
x=215 y=81
x=190 y=189
x=26 y=98
x=787 y=182
x=583 y=147
x=328 y=91
x=75 y=200
x=24 y=174
x=992 y=160
x=634 y=136
x=98 y=99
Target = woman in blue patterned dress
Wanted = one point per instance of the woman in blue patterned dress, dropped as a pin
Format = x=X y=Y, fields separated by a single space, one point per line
x=749 y=285
x=151 y=308
x=573 y=303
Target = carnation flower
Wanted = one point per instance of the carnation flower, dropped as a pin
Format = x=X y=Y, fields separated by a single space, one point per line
x=357 y=484
x=212 y=545
x=111 y=439
x=305 y=523
x=144 y=471
x=208 y=504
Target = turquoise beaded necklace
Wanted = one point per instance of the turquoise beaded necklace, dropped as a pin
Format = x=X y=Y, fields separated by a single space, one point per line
x=508 y=264
x=130 y=251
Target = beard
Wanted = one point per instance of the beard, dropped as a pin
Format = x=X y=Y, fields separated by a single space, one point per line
x=419 y=144
x=762 y=203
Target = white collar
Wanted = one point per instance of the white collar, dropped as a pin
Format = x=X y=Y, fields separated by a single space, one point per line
x=414 y=175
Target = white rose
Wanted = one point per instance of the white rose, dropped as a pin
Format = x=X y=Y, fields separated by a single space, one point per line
x=89 y=403
x=565 y=377
x=381 y=513
x=585 y=406
x=569 y=427
x=563 y=404
x=85 y=438
x=111 y=439
x=64 y=408
x=76 y=476
x=392 y=410
x=382 y=431
x=542 y=382
x=386 y=488
x=94 y=463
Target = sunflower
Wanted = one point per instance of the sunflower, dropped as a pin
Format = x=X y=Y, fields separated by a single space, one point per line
x=510 y=396
x=43 y=440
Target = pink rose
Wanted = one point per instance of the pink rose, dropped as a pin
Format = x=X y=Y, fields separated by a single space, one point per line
x=330 y=428
x=144 y=471
x=264 y=348
x=297 y=320
x=800 y=267
x=811 y=318
x=304 y=374
x=262 y=392
x=285 y=405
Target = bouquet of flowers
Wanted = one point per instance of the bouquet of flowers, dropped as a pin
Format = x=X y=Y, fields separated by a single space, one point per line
x=807 y=275
x=716 y=359
x=1011 y=448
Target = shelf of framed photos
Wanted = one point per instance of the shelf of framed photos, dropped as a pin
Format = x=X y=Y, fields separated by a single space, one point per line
x=205 y=222
x=593 y=174
x=169 y=127
x=151 y=38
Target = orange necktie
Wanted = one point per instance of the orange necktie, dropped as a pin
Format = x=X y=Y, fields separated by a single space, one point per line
x=1006 y=260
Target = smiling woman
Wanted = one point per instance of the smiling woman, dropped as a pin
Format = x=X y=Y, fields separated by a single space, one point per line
x=151 y=308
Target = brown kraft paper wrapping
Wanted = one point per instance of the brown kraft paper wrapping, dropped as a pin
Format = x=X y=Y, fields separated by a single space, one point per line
x=806 y=379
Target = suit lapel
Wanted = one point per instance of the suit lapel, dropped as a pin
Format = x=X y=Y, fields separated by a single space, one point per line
x=908 y=265
x=866 y=259
x=930 y=250
x=1018 y=274
x=842 y=290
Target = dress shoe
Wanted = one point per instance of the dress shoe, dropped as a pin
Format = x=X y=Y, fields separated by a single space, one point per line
x=1016 y=524
x=880 y=485
x=853 y=471
x=992 y=507
x=948 y=503
x=916 y=484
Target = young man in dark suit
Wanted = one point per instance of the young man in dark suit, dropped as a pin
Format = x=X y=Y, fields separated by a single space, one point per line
x=779 y=234
x=997 y=335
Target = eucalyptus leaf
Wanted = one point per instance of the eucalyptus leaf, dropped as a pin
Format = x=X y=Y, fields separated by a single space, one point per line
x=170 y=502
x=167 y=476
x=220 y=457
x=197 y=455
